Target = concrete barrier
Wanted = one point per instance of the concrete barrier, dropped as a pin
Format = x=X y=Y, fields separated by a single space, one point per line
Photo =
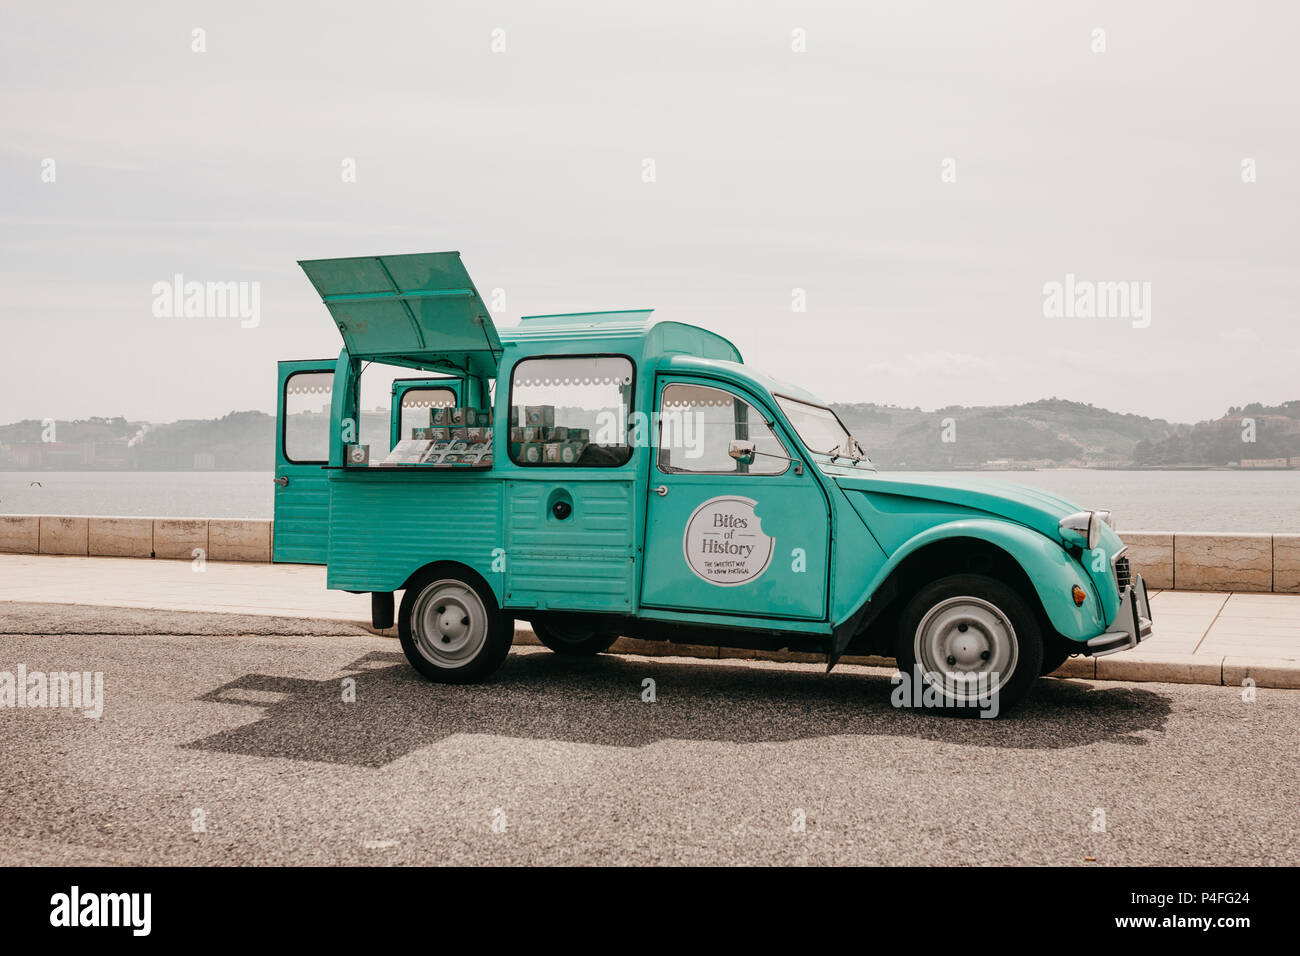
x=121 y=537
x=1286 y=563
x=1198 y=561
x=20 y=534
x=231 y=539
x=179 y=537
x=1151 y=553
x=64 y=535
x=1223 y=562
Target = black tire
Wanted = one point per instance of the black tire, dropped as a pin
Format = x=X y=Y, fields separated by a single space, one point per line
x=451 y=627
x=1055 y=653
x=982 y=626
x=572 y=639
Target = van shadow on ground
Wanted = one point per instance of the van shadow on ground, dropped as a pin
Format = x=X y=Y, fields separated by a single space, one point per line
x=598 y=701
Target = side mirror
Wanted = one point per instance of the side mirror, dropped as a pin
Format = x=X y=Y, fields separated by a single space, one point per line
x=741 y=450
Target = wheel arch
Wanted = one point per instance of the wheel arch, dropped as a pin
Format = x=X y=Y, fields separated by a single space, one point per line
x=1039 y=569
x=430 y=571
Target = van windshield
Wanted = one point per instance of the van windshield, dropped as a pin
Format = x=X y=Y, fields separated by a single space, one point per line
x=820 y=429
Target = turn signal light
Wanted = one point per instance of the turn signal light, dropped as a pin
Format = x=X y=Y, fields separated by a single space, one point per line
x=1079 y=595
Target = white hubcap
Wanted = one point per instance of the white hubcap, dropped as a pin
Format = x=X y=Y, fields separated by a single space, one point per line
x=968 y=645
x=449 y=623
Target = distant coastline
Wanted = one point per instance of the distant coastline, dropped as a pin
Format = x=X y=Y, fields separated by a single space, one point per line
x=1045 y=435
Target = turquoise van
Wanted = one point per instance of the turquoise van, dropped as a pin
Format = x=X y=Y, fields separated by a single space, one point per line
x=602 y=474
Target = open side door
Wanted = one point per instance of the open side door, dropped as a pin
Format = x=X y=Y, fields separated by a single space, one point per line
x=418 y=310
x=303 y=413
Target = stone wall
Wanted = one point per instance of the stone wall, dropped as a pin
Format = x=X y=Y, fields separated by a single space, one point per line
x=216 y=539
x=1165 y=559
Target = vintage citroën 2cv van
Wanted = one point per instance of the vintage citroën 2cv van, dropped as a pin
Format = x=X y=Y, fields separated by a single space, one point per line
x=602 y=474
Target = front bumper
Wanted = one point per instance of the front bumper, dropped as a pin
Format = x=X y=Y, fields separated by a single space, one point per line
x=1131 y=625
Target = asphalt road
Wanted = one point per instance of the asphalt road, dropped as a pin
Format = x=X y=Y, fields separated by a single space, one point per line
x=249 y=739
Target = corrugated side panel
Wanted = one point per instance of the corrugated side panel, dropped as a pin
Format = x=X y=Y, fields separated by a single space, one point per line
x=302 y=511
x=584 y=562
x=384 y=527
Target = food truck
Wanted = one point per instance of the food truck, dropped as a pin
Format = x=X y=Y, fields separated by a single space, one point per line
x=603 y=474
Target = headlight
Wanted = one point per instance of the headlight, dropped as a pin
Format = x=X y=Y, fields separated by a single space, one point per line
x=1083 y=528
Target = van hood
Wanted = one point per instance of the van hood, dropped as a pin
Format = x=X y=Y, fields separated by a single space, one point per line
x=1031 y=507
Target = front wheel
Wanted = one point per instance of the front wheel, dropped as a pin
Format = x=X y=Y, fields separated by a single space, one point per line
x=971 y=643
x=451 y=628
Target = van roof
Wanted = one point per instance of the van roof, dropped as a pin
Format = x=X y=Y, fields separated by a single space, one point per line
x=422 y=310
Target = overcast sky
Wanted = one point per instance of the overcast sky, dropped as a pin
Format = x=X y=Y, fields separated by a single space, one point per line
x=774 y=170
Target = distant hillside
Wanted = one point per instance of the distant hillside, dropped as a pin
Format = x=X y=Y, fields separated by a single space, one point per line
x=1259 y=433
x=240 y=441
x=1043 y=434
x=1057 y=433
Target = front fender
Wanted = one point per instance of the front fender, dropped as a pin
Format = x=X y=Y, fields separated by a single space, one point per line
x=1049 y=567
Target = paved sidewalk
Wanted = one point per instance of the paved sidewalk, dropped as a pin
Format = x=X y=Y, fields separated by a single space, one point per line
x=1200 y=637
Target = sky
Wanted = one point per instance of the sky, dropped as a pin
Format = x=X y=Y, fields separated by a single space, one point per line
x=871 y=200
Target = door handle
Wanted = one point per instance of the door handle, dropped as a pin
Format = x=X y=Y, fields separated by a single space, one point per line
x=661 y=490
x=282 y=481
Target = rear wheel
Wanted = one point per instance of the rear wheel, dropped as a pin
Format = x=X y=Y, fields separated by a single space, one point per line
x=976 y=642
x=451 y=628
x=573 y=640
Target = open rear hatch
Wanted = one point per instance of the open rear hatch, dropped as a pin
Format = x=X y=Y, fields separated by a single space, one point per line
x=420 y=310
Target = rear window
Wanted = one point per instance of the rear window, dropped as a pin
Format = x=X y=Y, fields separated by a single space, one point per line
x=307 y=398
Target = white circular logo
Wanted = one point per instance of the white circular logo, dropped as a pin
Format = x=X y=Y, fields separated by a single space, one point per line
x=724 y=542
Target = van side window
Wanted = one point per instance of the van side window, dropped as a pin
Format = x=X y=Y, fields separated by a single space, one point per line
x=416 y=404
x=571 y=410
x=698 y=423
x=307 y=398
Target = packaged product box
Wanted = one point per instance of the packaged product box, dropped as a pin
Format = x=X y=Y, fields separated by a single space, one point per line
x=356 y=455
x=458 y=432
x=534 y=433
x=516 y=417
x=516 y=434
x=440 y=416
x=563 y=452
x=530 y=453
x=579 y=434
x=440 y=433
x=458 y=416
x=477 y=433
x=422 y=434
x=540 y=415
x=559 y=433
